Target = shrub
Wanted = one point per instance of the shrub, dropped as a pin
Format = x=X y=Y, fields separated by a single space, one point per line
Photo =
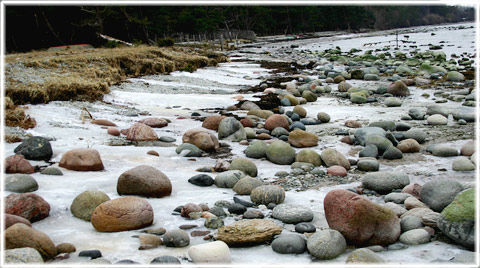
x=165 y=42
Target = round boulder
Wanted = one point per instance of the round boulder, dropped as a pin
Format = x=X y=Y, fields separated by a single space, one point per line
x=228 y=179
x=398 y=88
x=35 y=148
x=213 y=252
x=245 y=165
x=85 y=203
x=20 y=236
x=276 y=120
x=267 y=194
x=256 y=149
x=122 y=214
x=292 y=213
x=280 y=152
x=154 y=122
x=437 y=120
x=21 y=183
x=22 y=255
x=201 y=138
x=301 y=139
x=82 y=160
x=11 y=219
x=331 y=157
x=246 y=184
x=364 y=256
x=27 y=205
x=408 y=146
x=289 y=244
x=326 y=244
x=415 y=237
x=360 y=220
x=176 y=238
x=231 y=129
x=309 y=156
x=385 y=181
x=437 y=194
x=144 y=181
x=141 y=132
x=18 y=164
x=213 y=121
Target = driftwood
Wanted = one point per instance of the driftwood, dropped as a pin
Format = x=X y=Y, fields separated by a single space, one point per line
x=109 y=38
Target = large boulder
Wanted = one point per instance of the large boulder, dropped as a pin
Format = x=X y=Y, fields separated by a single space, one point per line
x=141 y=132
x=309 y=156
x=201 y=138
x=85 y=203
x=332 y=157
x=256 y=149
x=457 y=220
x=276 y=120
x=231 y=129
x=292 y=213
x=398 y=88
x=281 y=153
x=212 y=122
x=20 y=236
x=18 y=164
x=248 y=232
x=20 y=183
x=144 y=181
x=385 y=181
x=326 y=244
x=437 y=194
x=360 y=220
x=301 y=139
x=82 y=160
x=362 y=133
x=122 y=214
x=245 y=165
x=27 y=205
x=35 y=148
x=267 y=194
x=214 y=252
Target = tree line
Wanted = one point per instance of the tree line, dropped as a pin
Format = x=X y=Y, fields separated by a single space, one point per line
x=37 y=27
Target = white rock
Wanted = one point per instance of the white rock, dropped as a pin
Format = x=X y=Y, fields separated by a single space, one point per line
x=415 y=237
x=213 y=252
x=437 y=119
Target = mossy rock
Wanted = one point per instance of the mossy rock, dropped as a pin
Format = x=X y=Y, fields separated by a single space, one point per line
x=309 y=156
x=462 y=207
x=245 y=165
x=358 y=98
x=85 y=203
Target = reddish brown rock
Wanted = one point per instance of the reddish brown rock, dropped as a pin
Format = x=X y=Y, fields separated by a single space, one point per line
x=408 y=82
x=154 y=122
x=153 y=152
x=301 y=139
x=144 y=181
x=408 y=146
x=18 y=164
x=398 y=88
x=82 y=160
x=337 y=171
x=347 y=140
x=103 y=122
x=11 y=219
x=141 y=132
x=199 y=233
x=20 y=236
x=359 y=220
x=213 y=121
x=263 y=136
x=124 y=131
x=414 y=189
x=201 y=138
x=353 y=124
x=248 y=232
x=122 y=214
x=189 y=208
x=27 y=205
x=113 y=131
x=246 y=122
x=276 y=120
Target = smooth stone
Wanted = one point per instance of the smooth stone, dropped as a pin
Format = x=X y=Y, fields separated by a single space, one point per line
x=35 y=148
x=397 y=198
x=392 y=102
x=231 y=129
x=399 y=210
x=437 y=120
x=246 y=184
x=52 y=171
x=248 y=232
x=444 y=151
x=20 y=183
x=176 y=238
x=244 y=165
x=369 y=151
x=202 y=180
x=364 y=256
x=20 y=235
x=236 y=208
x=408 y=223
x=228 y=179
x=243 y=202
x=85 y=203
x=280 y=153
x=253 y=214
x=415 y=237
x=416 y=114
x=385 y=181
x=25 y=255
x=392 y=153
x=368 y=165
x=292 y=213
x=216 y=252
x=326 y=244
x=145 y=181
x=323 y=117
x=27 y=205
x=256 y=149
x=190 y=150
x=305 y=227
x=267 y=194
x=362 y=133
x=92 y=253
x=463 y=164
x=289 y=244
x=217 y=211
x=419 y=135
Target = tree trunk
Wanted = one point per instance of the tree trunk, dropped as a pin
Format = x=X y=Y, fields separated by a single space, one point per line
x=47 y=22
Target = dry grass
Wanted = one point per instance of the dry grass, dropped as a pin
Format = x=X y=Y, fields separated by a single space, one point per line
x=40 y=77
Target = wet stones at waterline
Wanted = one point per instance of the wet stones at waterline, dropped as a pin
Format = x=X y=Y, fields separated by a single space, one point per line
x=144 y=181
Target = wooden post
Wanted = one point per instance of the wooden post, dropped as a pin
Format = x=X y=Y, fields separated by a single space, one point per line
x=221 y=42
